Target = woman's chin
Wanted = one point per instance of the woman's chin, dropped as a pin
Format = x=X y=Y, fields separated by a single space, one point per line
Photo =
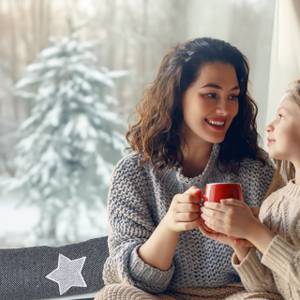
x=215 y=140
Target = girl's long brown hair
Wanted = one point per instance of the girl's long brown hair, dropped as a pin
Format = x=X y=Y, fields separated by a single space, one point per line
x=156 y=134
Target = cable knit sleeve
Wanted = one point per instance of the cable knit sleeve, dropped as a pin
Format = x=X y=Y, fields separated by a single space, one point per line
x=283 y=258
x=254 y=276
x=280 y=257
x=130 y=226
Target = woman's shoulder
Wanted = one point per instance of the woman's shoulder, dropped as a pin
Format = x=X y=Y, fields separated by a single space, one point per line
x=257 y=176
x=130 y=165
x=258 y=166
x=130 y=159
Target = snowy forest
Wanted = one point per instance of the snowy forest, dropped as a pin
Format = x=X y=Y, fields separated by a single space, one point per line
x=71 y=73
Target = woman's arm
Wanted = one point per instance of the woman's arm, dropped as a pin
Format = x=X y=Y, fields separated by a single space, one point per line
x=130 y=226
x=140 y=252
x=183 y=214
x=159 y=250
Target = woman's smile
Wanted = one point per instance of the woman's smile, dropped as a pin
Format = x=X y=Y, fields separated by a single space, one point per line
x=216 y=123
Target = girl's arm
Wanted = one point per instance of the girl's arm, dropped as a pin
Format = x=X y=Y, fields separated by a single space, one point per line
x=254 y=275
x=260 y=236
x=279 y=255
x=234 y=218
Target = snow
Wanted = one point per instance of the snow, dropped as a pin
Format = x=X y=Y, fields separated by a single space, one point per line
x=27 y=81
x=71 y=141
x=18 y=222
x=117 y=74
x=51 y=51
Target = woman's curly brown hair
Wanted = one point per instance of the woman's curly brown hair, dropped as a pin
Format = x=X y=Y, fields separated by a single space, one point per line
x=156 y=134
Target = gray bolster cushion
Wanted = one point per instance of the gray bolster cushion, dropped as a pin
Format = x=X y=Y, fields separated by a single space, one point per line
x=49 y=272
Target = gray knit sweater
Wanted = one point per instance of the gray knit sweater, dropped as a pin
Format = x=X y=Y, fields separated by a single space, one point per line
x=138 y=200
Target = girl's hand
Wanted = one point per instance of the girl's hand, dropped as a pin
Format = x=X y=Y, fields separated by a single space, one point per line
x=184 y=211
x=224 y=239
x=240 y=246
x=219 y=237
x=230 y=217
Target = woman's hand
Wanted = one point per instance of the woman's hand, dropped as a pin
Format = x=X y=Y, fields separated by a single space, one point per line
x=184 y=211
x=230 y=217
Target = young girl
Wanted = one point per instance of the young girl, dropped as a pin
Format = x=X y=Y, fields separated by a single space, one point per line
x=277 y=235
x=196 y=124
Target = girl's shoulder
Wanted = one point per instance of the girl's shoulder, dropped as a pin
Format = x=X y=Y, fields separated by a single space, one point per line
x=268 y=203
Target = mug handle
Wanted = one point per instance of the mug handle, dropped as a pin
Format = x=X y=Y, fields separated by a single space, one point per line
x=202 y=197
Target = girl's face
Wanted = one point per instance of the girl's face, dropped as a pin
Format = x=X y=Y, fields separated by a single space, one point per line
x=284 y=131
x=210 y=103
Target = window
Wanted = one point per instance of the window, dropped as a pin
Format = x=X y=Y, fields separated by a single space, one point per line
x=72 y=72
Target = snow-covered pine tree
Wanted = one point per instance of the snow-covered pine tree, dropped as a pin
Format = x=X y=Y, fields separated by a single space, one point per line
x=72 y=138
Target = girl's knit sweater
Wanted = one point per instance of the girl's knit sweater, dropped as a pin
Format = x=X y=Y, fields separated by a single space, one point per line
x=278 y=270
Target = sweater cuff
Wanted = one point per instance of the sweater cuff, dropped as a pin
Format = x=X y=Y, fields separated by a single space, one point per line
x=157 y=279
x=279 y=255
x=249 y=268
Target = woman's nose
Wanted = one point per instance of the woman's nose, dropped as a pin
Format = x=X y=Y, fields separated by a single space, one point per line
x=222 y=109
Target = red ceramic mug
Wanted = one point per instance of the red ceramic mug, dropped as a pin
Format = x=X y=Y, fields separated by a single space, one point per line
x=217 y=191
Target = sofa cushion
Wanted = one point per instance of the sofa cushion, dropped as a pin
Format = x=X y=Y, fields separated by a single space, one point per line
x=49 y=272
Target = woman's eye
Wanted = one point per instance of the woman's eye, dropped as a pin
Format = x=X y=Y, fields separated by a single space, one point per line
x=234 y=97
x=211 y=95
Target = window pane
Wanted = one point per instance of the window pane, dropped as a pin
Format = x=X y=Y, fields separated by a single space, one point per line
x=72 y=72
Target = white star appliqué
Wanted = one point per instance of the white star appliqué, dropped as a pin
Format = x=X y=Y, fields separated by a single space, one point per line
x=68 y=273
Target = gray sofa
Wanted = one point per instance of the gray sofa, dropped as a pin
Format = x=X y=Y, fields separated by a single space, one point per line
x=52 y=272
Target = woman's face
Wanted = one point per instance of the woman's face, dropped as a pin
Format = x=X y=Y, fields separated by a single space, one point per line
x=210 y=103
x=284 y=131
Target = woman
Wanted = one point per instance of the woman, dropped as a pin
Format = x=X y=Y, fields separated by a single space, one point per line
x=196 y=124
